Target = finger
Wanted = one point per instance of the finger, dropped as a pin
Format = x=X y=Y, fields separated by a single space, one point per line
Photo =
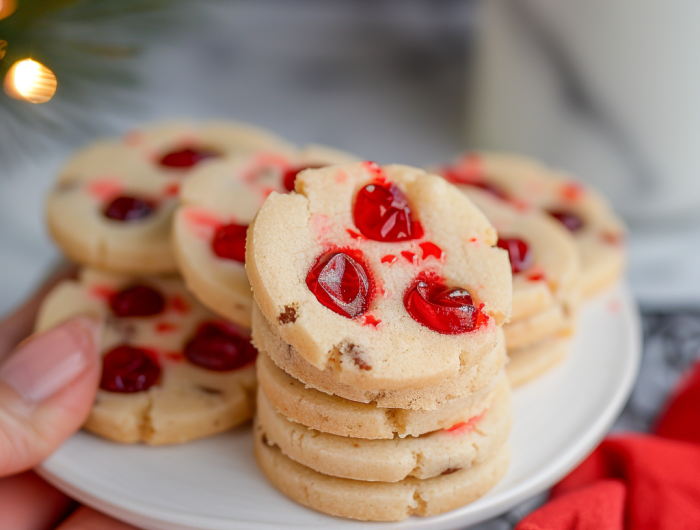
x=29 y=503
x=47 y=387
x=89 y=519
x=18 y=325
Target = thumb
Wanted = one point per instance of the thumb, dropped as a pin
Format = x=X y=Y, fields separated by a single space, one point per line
x=47 y=387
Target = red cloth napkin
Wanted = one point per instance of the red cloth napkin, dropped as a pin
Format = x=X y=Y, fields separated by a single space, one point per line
x=635 y=482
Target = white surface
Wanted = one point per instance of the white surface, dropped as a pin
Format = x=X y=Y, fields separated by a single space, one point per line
x=215 y=484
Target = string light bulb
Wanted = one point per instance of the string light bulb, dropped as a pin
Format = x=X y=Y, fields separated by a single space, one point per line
x=7 y=7
x=29 y=80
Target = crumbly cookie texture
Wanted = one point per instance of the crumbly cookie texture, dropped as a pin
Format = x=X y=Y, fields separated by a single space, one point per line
x=149 y=165
x=384 y=348
x=598 y=232
x=331 y=414
x=187 y=401
x=550 y=270
x=378 y=501
x=440 y=452
x=222 y=194
x=468 y=380
x=525 y=364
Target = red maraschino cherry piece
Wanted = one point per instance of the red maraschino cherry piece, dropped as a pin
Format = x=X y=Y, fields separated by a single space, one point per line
x=126 y=208
x=490 y=188
x=570 y=220
x=472 y=176
x=137 y=301
x=521 y=257
x=186 y=157
x=290 y=176
x=217 y=346
x=126 y=369
x=340 y=283
x=229 y=242
x=382 y=213
x=442 y=309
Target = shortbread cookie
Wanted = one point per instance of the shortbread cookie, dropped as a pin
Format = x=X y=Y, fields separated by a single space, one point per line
x=388 y=274
x=448 y=450
x=172 y=371
x=331 y=414
x=529 y=362
x=553 y=321
x=113 y=203
x=544 y=257
x=218 y=203
x=378 y=501
x=468 y=380
x=598 y=232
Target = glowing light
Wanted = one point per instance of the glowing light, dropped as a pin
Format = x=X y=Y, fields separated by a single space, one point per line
x=7 y=7
x=31 y=81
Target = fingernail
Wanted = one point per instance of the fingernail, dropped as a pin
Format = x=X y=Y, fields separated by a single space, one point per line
x=43 y=365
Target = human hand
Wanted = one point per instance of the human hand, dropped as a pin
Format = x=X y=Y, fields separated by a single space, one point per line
x=47 y=386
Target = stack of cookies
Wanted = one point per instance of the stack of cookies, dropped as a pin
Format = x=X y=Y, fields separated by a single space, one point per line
x=564 y=243
x=177 y=362
x=392 y=310
x=381 y=296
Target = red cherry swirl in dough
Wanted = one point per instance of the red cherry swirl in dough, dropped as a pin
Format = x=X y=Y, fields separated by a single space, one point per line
x=569 y=219
x=219 y=347
x=128 y=208
x=447 y=310
x=137 y=301
x=186 y=157
x=341 y=283
x=229 y=242
x=382 y=213
x=126 y=369
x=290 y=176
x=519 y=252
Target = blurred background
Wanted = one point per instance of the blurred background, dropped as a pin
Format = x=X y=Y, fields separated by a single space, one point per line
x=604 y=88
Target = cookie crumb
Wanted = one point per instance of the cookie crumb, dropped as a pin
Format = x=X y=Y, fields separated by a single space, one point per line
x=288 y=316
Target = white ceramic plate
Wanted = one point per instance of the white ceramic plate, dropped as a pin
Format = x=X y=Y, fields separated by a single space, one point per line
x=215 y=484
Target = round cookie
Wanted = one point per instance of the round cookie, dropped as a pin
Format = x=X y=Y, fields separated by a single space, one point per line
x=388 y=274
x=378 y=501
x=172 y=371
x=331 y=414
x=439 y=452
x=553 y=321
x=468 y=380
x=529 y=362
x=217 y=204
x=544 y=257
x=598 y=232
x=113 y=203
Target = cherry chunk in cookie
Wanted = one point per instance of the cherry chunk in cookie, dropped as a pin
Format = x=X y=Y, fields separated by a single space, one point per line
x=171 y=370
x=113 y=203
x=586 y=215
x=388 y=274
x=217 y=204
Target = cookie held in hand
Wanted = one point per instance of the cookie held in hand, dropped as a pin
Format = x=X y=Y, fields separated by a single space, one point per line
x=172 y=370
